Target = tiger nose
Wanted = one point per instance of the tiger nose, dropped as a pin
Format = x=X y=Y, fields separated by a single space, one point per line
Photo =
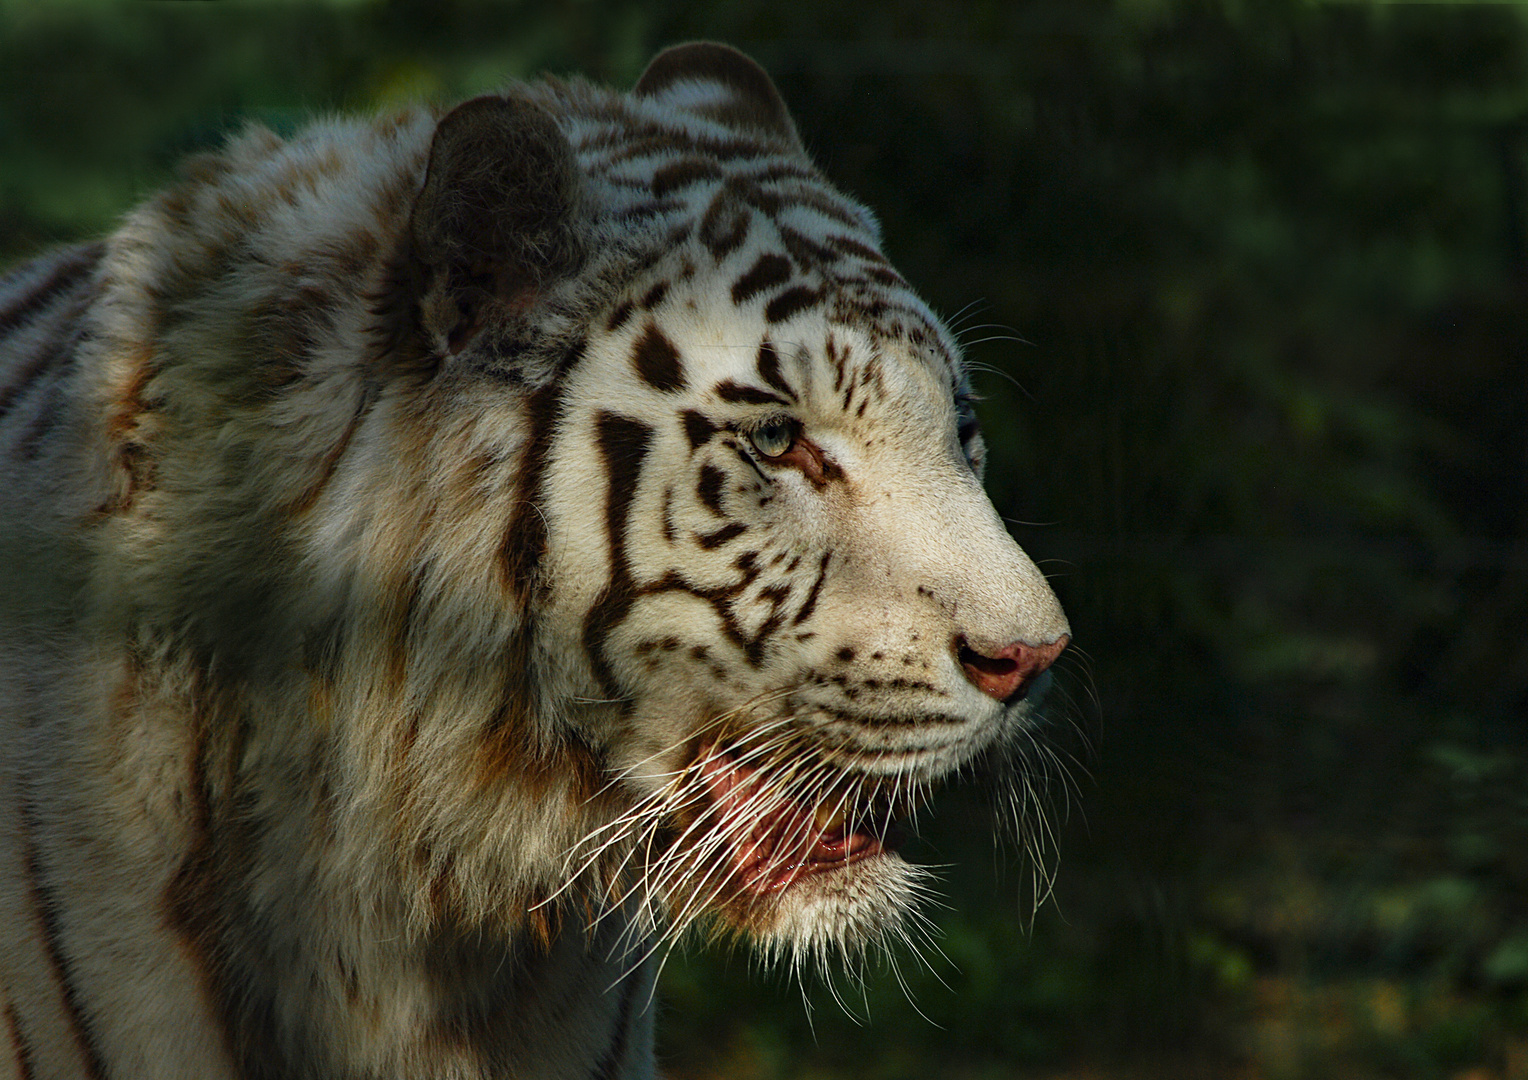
x=1012 y=670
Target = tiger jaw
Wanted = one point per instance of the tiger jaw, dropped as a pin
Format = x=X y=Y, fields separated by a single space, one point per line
x=777 y=838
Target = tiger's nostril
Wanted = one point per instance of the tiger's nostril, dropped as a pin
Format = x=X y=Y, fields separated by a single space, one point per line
x=1007 y=675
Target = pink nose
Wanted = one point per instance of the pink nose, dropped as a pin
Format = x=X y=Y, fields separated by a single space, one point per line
x=1008 y=675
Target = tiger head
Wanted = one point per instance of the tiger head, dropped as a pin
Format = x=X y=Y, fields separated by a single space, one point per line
x=635 y=505
x=780 y=605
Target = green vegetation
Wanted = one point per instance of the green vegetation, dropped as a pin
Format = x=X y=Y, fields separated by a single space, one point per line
x=1250 y=284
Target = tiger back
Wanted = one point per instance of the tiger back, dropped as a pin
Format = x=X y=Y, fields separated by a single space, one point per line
x=447 y=557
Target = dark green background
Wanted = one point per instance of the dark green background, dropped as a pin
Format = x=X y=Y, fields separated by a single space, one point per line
x=1249 y=283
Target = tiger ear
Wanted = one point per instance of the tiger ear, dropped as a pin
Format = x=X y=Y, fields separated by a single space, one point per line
x=721 y=84
x=496 y=219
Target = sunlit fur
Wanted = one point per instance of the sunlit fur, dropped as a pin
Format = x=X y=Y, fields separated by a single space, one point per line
x=441 y=552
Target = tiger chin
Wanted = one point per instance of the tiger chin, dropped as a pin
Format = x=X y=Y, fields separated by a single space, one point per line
x=451 y=554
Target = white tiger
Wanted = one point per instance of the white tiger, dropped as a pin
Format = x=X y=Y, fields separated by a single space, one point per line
x=444 y=557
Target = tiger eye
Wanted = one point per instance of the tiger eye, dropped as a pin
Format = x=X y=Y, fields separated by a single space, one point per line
x=774 y=438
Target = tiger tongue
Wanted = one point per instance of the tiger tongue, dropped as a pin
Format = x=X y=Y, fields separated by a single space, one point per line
x=774 y=839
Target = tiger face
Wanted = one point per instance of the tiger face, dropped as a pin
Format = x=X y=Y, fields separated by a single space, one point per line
x=789 y=575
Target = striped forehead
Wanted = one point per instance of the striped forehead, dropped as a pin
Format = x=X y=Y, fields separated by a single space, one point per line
x=723 y=338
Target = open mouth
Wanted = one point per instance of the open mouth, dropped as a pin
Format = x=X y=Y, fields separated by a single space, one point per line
x=778 y=837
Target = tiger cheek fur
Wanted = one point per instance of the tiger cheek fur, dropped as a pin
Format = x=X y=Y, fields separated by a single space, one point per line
x=450 y=556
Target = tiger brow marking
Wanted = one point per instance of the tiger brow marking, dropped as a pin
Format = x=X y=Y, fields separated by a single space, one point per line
x=728 y=390
x=656 y=359
x=768 y=363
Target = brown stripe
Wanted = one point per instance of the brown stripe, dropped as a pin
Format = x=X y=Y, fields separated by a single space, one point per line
x=304 y=502
x=806 y=251
x=658 y=141
x=619 y=316
x=850 y=246
x=19 y=1041
x=52 y=940
x=44 y=419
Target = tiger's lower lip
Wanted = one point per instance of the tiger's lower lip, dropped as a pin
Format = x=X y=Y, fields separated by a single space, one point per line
x=784 y=842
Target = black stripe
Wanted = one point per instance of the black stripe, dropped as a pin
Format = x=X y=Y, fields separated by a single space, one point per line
x=770 y=270
x=65 y=273
x=682 y=174
x=619 y=316
x=19 y=1041
x=42 y=362
x=791 y=302
x=623 y=443
x=768 y=363
x=747 y=395
x=697 y=429
x=810 y=604
x=710 y=488
x=725 y=224
x=656 y=359
x=52 y=939
x=525 y=538
x=722 y=535
x=655 y=295
x=723 y=598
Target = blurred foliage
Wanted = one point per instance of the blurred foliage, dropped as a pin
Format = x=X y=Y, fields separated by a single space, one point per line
x=1247 y=283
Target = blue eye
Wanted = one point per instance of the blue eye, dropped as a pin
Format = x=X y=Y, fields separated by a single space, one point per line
x=774 y=438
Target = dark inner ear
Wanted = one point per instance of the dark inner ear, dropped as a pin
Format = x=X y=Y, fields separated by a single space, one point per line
x=754 y=101
x=495 y=220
